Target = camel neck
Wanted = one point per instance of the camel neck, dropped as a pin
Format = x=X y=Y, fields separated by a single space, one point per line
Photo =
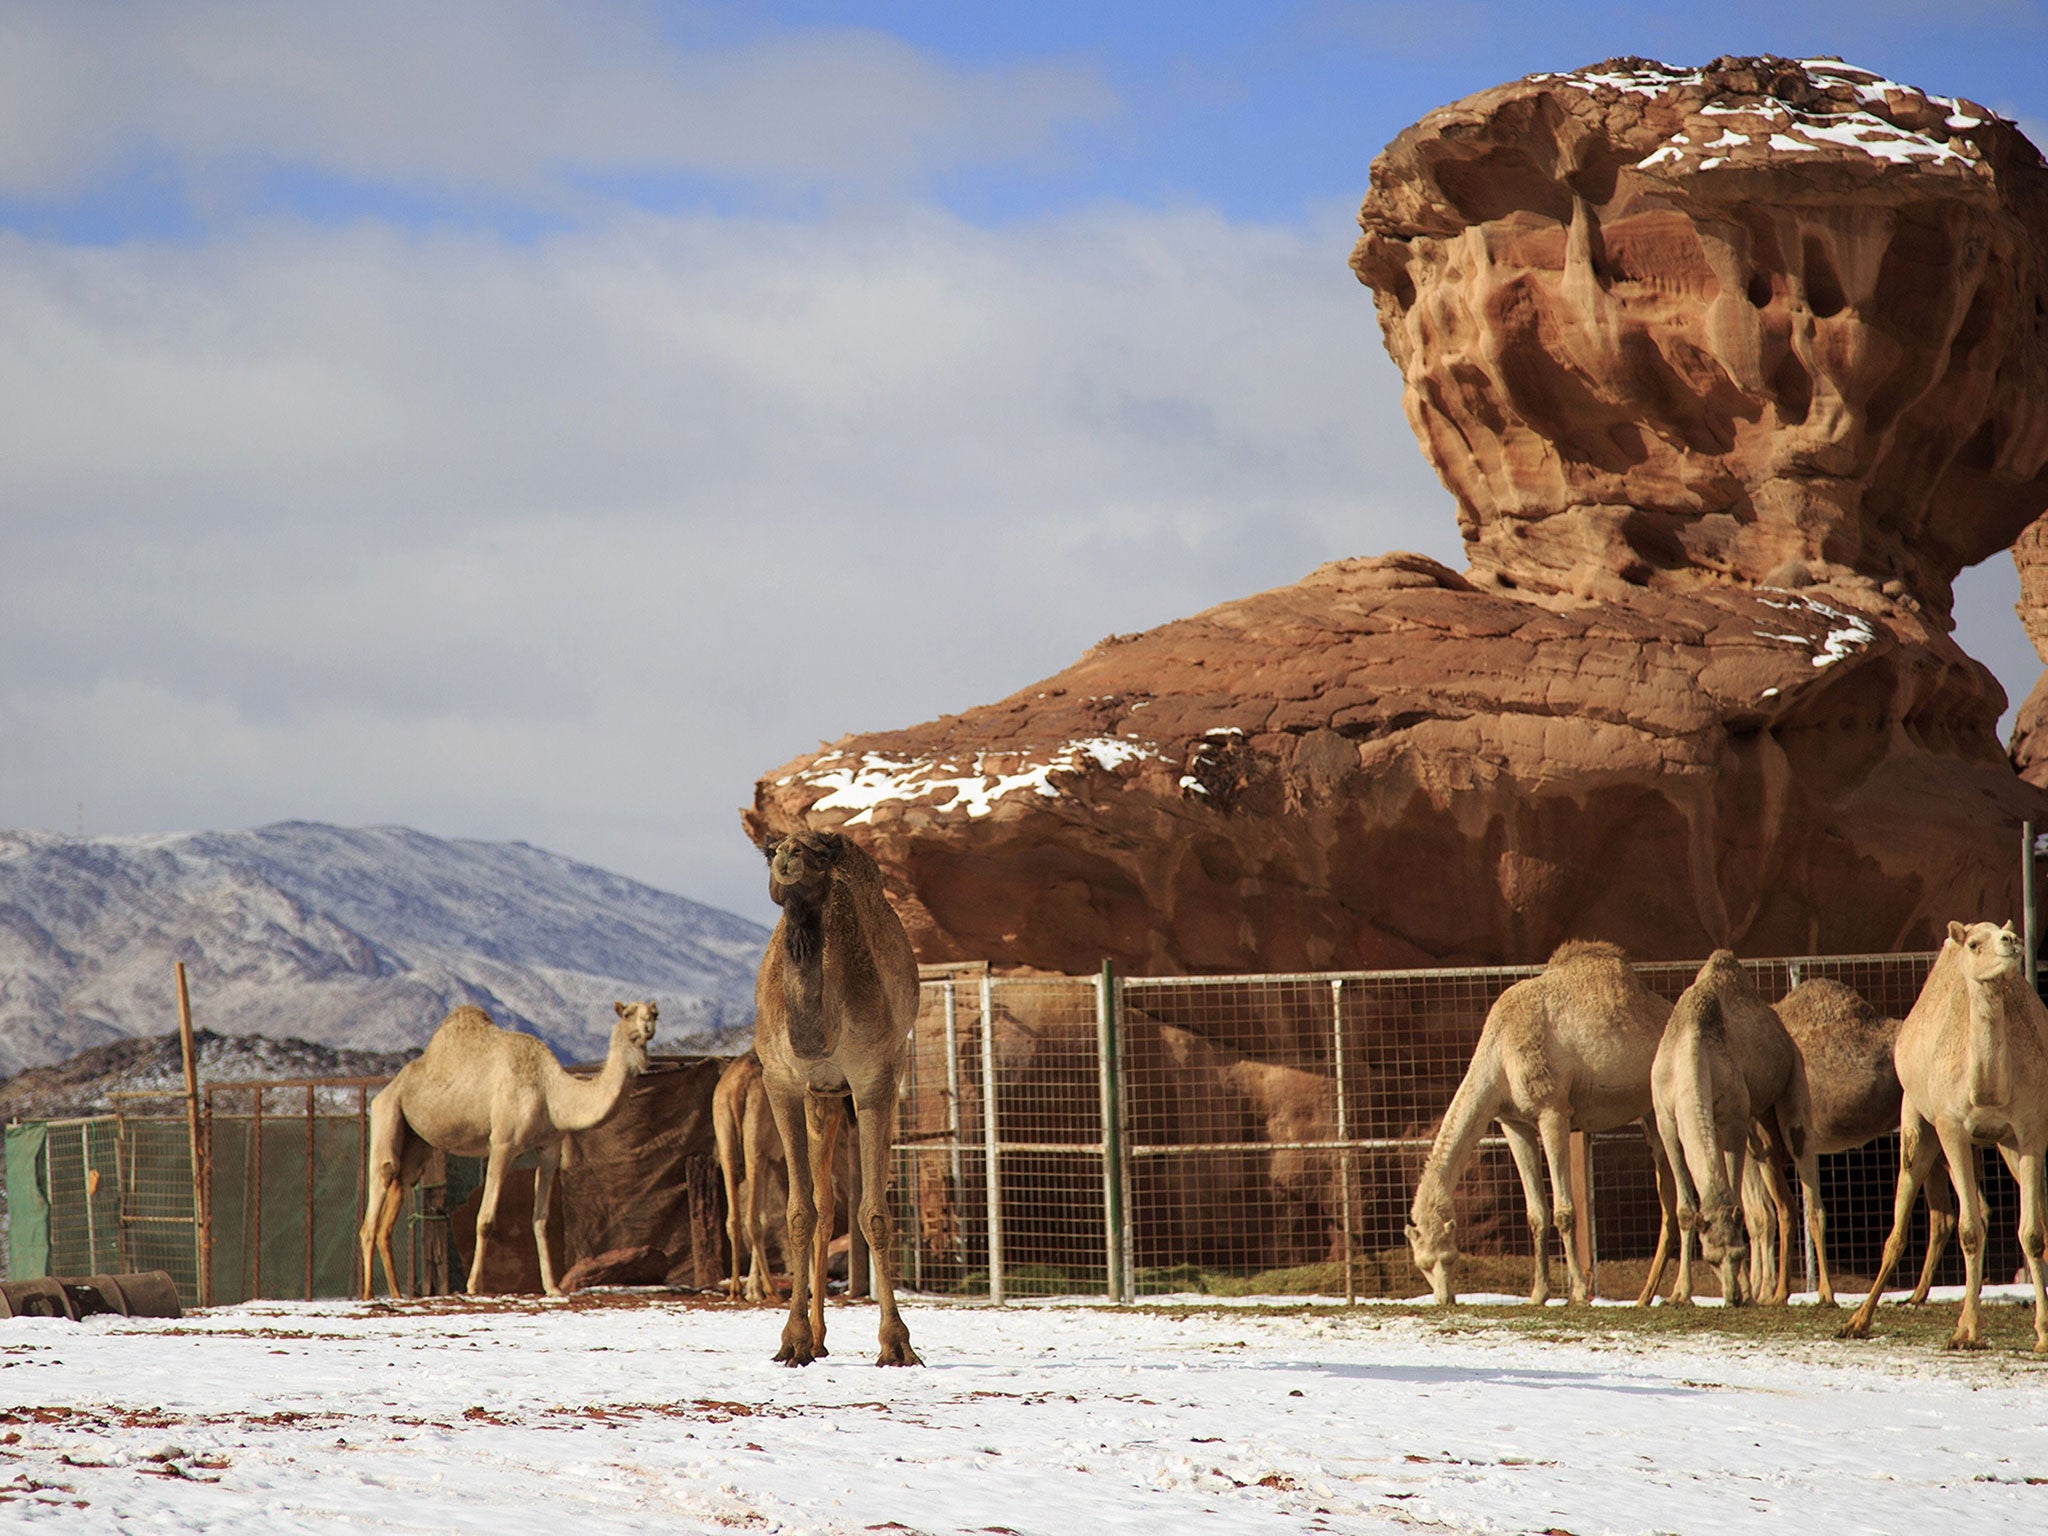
x=1984 y=1047
x=582 y=1103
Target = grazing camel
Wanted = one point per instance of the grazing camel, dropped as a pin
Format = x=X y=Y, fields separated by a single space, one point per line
x=1853 y=1098
x=749 y=1160
x=481 y=1091
x=1566 y=1050
x=1973 y=1070
x=834 y=1003
x=1726 y=1063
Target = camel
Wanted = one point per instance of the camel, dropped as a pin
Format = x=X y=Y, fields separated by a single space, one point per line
x=1973 y=1070
x=481 y=1091
x=1853 y=1097
x=749 y=1159
x=834 y=1002
x=1726 y=1062
x=1568 y=1049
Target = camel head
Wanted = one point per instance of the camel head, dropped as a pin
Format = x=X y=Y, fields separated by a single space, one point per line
x=800 y=866
x=1433 y=1245
x=634 y=1029
x=1987 y=952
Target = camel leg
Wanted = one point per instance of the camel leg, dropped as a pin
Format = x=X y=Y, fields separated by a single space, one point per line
x=875 y=1118
x=1734 y=1261
x=1667 y=1210
x=790 y=1119
x=543 y=1192
x=757 y=1130
x=1685 y=1206
x=1918 y=1152
x=1529 y=1163
x=1770 y=1147
x=1816 y=1224
x=386 y=1154
x=823 y=1118
x=1941 y=1226
x=487 y=1211
x=1555 y=1127
x=726 y=1135
x=1762 y=1216
x=1957 y=1147
x=2027 y=1169
x=857 y=1261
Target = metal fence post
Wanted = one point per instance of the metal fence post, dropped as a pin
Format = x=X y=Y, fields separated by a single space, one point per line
x=2028 y=913
x=953 y=1082
x=992 y=1175
x=1343 y=1135
x=1110 y=1083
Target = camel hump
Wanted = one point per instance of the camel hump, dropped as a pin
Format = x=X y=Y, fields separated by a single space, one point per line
x=1585 y=949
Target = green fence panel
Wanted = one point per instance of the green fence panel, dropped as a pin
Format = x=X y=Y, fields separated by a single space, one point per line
x=28 y=1202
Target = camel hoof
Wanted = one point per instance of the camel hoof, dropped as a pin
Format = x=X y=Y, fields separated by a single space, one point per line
x=896 y=1348
x=1961 y=1341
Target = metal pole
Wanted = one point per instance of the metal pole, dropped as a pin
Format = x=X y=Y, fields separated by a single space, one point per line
x=256 y=1196
x=92 y=1245
x=992 y=1180
x=2027 y=909
x=1343 y=1134
x=953 y=1079
x=1110 y=1085
x=309 y=1191
x=202 y=1213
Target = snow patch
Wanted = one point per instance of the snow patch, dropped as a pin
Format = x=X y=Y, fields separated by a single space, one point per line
x=879 y=779
x=1850 y=632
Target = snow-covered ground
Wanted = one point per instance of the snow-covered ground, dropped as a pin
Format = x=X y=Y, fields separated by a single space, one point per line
x=621 y=1412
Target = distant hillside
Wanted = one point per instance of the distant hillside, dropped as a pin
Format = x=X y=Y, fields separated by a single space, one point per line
x=87 y=1083
x=358 y=939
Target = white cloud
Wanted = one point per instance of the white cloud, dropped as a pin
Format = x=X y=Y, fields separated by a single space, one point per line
x=507 y=97
x=570 y=540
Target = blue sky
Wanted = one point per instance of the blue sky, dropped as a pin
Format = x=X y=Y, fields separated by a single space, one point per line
x=534 y=419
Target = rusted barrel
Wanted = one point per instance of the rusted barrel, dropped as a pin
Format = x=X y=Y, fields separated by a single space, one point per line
x=151 y=1293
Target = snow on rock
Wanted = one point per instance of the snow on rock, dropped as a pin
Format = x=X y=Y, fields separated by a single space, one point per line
x=1850 y=632
x=875 y=778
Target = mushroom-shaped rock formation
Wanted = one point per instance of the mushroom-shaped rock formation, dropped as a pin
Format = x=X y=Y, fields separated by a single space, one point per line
x=1681 y=327
x=1731 y=370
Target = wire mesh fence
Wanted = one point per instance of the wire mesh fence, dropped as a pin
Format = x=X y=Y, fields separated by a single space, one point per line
x=1056 y=1135
x=1152 y=1134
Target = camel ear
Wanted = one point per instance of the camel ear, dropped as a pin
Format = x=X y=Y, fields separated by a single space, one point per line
x=2009 y=927
x=1957 y=933
x=619 y=1009
x=768 y=848
x=834 y=843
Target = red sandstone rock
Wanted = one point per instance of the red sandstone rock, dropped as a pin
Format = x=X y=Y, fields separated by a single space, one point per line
x=2030 y=727
x=1380 y=767
x=1682 y=326
x=1730 y=370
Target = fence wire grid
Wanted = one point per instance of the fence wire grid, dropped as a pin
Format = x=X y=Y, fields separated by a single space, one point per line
x=1143 y=1135
x=1056 y=1135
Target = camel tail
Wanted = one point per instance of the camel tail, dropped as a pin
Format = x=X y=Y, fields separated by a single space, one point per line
x=1696 y=1128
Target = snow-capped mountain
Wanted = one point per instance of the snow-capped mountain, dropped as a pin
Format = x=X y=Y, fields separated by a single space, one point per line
x=357 y=938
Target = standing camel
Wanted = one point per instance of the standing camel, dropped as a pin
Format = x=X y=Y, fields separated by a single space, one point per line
x=1569 y=1049
x=1852 y=1090
x=1726 y=1063
x=481 y=1091
x=833 y=1007
x=1973 y=1070
x=750 y=1159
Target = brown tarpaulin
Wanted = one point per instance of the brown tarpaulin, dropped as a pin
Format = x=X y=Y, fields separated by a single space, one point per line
x=646 y=1177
